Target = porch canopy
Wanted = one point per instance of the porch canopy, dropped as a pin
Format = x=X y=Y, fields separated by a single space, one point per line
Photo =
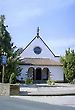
x=40 y=62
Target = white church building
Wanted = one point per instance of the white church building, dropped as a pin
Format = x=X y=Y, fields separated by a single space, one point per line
x=39 y=62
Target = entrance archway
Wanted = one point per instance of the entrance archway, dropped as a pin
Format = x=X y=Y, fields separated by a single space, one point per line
x=31 y=73
x=45 y=74
x=38 y=73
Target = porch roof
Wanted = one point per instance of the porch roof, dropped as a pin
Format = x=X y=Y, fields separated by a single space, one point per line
x=40 y=62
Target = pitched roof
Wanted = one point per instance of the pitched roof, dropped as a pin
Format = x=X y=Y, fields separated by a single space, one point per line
x=40 y=62
x=43 y=42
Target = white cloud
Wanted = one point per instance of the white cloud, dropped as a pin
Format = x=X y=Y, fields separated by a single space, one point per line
x=19 y=11
x=58 y=46
x=62 y=42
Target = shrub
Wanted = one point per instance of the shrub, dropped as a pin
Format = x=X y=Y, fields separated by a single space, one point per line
x=73 y=82
x=13 y=78
x=28 y=81
x=50 y=82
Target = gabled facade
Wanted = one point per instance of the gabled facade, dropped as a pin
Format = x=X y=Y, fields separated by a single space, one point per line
x=40 y=62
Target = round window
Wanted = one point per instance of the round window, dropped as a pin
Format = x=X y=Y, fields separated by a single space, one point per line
x=37 y=50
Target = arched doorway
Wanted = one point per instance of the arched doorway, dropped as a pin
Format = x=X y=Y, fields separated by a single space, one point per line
x=45 y=74
x=38 y=73
x=31 y=73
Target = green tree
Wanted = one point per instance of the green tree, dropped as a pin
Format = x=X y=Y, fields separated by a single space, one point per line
x=12 y=56
x=68 y=61
x=12 y=66
x=5 y=38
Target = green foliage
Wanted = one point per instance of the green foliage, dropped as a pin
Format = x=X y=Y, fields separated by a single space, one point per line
x=5 y=38
x=50 y=82
x=12 y=78
x=69 y=65
x=73 y=82
x=28 y=81
x=12 y=56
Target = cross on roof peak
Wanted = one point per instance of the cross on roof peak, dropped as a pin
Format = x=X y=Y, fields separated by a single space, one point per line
x=37 y=31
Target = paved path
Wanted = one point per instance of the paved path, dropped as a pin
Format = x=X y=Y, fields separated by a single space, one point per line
x=10 y=103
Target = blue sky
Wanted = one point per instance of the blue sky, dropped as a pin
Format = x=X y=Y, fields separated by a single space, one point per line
x=56 y=19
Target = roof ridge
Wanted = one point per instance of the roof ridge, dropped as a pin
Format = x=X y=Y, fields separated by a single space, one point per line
x=37 y=36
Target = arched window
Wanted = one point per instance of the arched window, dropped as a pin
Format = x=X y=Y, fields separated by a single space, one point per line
x=45 y=73
x=31 y=72
x=38 y=73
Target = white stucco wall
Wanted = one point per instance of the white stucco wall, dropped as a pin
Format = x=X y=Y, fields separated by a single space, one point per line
x=46 y=53
x=56 y=72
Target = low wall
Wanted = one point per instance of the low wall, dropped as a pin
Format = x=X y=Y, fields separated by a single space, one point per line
x=14 y=89
x=9 y=89
x=4 y=89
